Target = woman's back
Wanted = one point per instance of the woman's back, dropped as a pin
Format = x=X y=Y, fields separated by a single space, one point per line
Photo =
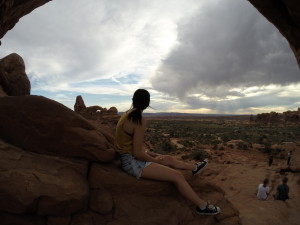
x=124 y=137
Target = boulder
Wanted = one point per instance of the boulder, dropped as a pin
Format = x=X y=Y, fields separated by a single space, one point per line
x=41 y=125
x=153 y=202
x=13 y=79
x=31 y=183
x=101 y=201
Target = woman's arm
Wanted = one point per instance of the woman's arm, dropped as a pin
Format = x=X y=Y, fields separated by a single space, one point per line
x=138 y=141
x=139 y=153
x=153 y=154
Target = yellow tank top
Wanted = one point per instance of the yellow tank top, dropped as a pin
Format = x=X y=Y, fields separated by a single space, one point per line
x=123 y=140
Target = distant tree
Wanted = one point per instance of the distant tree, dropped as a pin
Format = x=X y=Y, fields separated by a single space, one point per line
x=215 y=146
x=166 y=146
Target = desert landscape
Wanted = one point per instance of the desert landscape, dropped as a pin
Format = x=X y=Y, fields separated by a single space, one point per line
x=238 y=166
x=76 y=178
x=58 y=165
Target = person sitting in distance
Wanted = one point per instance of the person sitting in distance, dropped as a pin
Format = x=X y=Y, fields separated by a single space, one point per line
x=283 y=190
x=263 y=190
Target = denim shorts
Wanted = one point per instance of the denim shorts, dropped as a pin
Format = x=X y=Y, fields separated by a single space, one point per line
x=132 y=165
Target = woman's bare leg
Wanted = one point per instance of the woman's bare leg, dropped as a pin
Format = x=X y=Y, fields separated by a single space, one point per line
x=177 y=164
x=182 y=165
x=160 y=172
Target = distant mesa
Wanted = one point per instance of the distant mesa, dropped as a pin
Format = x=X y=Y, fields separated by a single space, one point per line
x=274 y=117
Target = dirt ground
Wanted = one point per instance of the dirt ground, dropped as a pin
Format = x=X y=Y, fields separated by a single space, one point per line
x=239 y=172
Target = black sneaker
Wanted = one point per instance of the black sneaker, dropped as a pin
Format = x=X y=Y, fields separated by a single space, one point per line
x=209 y=210
x=200 y=166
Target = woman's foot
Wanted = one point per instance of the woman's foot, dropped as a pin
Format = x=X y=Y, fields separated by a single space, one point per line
x=208 y=210
x=200 y=166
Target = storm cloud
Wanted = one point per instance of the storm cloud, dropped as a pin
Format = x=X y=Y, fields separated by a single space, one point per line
x=223 y=50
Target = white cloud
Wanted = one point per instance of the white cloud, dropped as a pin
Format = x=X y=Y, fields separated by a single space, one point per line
x=95 y=39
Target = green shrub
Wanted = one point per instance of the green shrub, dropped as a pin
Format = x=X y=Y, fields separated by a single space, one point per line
x=166 y=146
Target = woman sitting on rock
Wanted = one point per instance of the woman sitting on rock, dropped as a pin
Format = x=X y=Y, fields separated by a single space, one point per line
x=136 y=162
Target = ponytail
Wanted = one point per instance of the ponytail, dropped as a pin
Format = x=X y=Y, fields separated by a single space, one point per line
x=135 y=116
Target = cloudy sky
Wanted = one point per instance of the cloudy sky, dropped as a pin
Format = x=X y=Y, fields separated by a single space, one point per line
x=196 y=56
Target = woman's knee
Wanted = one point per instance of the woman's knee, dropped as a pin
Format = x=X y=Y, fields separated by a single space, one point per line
x=177 y=177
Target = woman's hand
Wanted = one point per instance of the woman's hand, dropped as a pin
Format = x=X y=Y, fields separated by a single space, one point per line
x=165 y=160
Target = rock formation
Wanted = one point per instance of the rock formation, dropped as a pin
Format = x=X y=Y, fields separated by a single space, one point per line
x=79 y=106
x=13 y=79
x=274 y=117
x=285 y=15
x=112 y=111
x=41 y=125
x=101 y=117
x=45 y=190
x=41 y=184
x=292 y=116
x=95 y=112
x=54 y=164
x=58 y=168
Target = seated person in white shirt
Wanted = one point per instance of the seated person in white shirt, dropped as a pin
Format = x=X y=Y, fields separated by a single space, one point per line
x=263 y=190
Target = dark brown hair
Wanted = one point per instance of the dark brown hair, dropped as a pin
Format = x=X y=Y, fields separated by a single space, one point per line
x=140 y=101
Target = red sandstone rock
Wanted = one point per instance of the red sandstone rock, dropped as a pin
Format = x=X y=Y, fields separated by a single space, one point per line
x=11 y=11
x=79 y=105
x=93 y=112
x=154 y=202
x=39 y=184
x=38 y=124
x=13 y=78
x=101 y=201
x=113 y=110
